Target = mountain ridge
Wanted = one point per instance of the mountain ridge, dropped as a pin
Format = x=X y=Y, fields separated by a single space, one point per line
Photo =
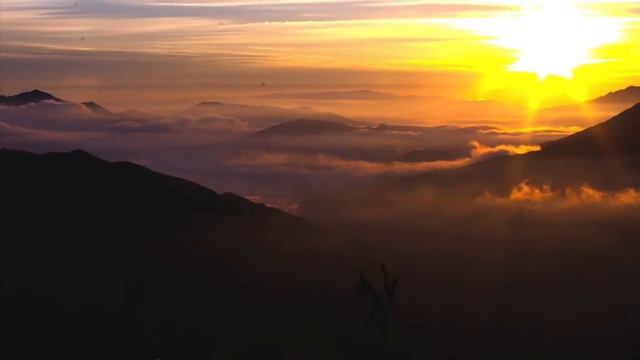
x=28 y=97
x=628 y=94
x=113 y=255
x=115 y=182
x=307 y=127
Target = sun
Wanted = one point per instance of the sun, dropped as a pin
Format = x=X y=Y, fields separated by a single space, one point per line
x=554 y=37
x=550 y=37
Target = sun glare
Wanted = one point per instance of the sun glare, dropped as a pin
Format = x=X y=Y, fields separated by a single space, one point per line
x=549 y=37
x=554 y=37
x=547 y=52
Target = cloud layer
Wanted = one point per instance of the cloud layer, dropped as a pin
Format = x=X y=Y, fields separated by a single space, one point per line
x=217 y=145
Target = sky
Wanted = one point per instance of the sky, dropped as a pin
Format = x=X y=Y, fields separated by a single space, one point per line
x=166 y=54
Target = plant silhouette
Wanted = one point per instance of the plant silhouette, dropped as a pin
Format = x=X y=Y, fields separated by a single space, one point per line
x=380 y=305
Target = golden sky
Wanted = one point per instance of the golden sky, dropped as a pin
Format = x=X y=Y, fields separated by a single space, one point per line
x=529 y=52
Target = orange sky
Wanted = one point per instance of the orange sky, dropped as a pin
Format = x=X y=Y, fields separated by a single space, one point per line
x=167 y=54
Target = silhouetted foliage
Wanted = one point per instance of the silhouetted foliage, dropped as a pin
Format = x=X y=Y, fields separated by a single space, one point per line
x=380 y=304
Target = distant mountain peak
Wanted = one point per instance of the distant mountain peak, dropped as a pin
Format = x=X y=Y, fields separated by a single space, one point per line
x=96 y=108
x=308 y=127
x=630 y=88
x=79 y=153
x=630 y=94
x=29 y=97
x=633 y=89
x=209 y=103
x=37 y=92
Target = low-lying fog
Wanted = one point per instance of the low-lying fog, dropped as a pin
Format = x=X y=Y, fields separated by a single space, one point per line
x=224 y=147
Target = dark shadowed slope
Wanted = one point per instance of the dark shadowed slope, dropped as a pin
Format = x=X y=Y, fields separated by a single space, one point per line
x=30 y=97
x=616 y=137
x=308 y=127
x=113 y=260
x=78 y=182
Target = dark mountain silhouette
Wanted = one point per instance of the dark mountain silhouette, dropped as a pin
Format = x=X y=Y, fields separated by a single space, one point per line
x=110 y=259
x=308 y=127
x=30 y=97
x=97 y=108
x=72 y=181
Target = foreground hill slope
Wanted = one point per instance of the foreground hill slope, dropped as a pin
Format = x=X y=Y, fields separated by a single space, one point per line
x=80 y=183
x=114 y=256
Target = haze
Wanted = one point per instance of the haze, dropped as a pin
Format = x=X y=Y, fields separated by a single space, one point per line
x=293 y=179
